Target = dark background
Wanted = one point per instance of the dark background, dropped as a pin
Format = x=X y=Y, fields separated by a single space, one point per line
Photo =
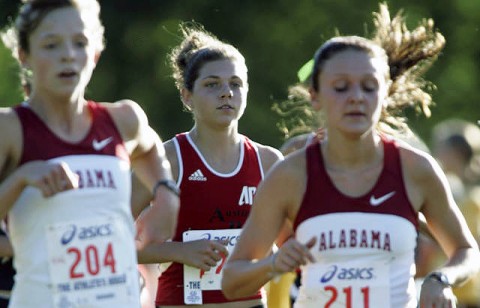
x=276 y=38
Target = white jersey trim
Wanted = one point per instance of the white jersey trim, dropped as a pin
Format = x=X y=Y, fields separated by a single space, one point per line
x=224 y=175
x=178 y=152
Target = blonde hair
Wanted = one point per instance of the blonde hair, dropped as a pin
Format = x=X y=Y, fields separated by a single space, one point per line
x=32 y=13
x=408 y=55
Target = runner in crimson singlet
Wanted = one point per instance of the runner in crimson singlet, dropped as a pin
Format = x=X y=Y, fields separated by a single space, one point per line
x=354 y=197
x=88 y=232
x=66 y=166
x=217 y=170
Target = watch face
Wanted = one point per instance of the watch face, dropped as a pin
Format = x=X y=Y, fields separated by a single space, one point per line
x=444 y=279
x=440 y=277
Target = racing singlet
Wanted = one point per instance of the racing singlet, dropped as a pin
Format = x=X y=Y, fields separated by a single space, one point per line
x=76 y=248
x=213 y=205
x=365 y=245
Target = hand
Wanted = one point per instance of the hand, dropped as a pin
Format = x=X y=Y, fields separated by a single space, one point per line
x=49 y=177
x=292 y=255
x=321 y=134
x=436 y=295
x=204 y=254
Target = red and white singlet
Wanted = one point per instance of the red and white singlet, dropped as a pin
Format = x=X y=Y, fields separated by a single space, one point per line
x=213 y=205
x=76 y=248
x=365 y=245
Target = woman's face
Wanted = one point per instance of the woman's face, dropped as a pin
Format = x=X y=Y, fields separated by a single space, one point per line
x=352 y=90
x=62 y=53
x=219 y=95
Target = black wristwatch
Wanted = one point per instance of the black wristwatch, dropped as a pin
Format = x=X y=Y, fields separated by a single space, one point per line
x=440 y=277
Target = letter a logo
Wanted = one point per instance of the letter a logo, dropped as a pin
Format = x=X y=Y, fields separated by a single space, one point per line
x=247 y=195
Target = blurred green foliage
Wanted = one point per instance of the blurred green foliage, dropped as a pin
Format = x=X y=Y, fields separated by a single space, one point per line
x=276 y=37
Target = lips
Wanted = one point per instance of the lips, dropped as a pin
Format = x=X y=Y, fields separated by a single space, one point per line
x=226 y=106
x=355 y=114
x=67 y=74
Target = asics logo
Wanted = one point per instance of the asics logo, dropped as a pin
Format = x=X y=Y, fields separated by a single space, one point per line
x=197 y=176
x=377 y=201
x=99 y=145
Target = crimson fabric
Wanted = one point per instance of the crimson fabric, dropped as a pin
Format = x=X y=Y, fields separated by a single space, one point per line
x=208 y=201
x=38 y=134
x=322 y=197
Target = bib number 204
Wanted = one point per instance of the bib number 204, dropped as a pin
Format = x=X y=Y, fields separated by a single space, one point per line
x=92 y=259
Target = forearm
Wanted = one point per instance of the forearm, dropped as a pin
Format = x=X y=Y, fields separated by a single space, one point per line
x=10 y=190
x=462 y=266
x=161 y=253
x=159 y=219
x=6 y=249
x=243 y=278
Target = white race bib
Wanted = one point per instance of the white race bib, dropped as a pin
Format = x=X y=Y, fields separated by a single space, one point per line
x=345 y=285
x=90 y=265
x=196 y=280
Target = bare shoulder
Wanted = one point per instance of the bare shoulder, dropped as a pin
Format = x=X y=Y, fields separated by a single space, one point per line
x=10 y=125
x=269 y=155
x=11 y=141
x=128 y=116
x=295 y=143
x=170 y=149
x=8 y=117
x=424 y=179
x=417 y=163
x=171 y=152
x=286 y=182
x=292 y=168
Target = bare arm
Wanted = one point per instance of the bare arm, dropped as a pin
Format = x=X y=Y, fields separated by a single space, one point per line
x=141 y=196
x=430 y=192
x=449 y=227
x=150 y=165
x=6 y=249
x=277 y=199
x=203 y=254
x=50 y=178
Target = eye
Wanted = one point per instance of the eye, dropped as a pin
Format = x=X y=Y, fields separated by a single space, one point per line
x=370 y=85
x=211 y=84
x=81 y=43
x=50 y=45
x=236 y=84
x=340 y=86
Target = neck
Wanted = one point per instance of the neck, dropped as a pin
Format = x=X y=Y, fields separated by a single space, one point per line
x=340 y=154
x=220 y=149
x=67 y=119
x=214 y=140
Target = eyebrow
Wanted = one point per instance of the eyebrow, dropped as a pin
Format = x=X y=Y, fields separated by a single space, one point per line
x=55 y=35
x=372 y=73
x=218 y=77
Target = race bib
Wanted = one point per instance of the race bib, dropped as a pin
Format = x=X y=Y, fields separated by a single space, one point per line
x=196 y=280
x=90 y=264
x=345 y=285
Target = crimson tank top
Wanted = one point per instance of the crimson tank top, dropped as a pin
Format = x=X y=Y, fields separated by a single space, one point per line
x=209 y=200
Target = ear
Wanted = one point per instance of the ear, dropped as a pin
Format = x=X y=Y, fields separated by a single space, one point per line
x=97 y=57
x=314 y=99
x=23 y=58
x=186 y=98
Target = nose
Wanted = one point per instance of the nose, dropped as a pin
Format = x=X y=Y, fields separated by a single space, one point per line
x=226 y=91
x=68 y=52
x=357 y=95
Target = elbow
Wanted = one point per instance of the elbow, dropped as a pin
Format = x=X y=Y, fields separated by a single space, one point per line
x=227 y=289
x=228 y=286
